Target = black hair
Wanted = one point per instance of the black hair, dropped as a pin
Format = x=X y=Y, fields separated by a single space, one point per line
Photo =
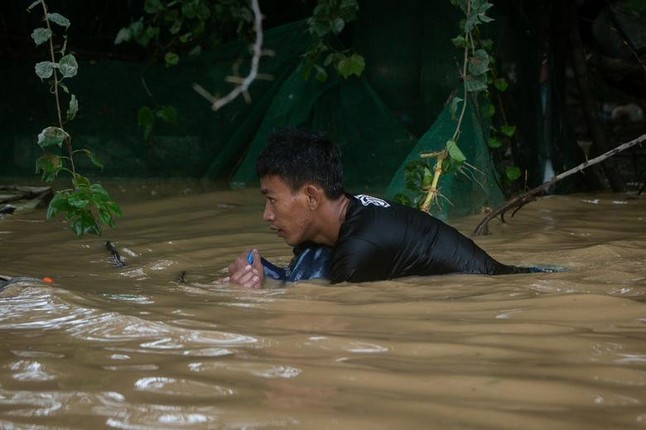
x=300 y=156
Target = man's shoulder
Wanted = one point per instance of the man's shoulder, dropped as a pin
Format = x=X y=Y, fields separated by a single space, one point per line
x=367 y=200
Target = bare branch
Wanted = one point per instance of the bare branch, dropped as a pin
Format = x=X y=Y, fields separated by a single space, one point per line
x=521 y=200
x=243 y=83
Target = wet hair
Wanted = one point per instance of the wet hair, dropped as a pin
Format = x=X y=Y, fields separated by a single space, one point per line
x=299 y=157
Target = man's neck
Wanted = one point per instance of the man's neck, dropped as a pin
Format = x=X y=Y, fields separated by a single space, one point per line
x=330 y=219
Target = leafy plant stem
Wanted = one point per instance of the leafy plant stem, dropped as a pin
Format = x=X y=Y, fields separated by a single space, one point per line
x=441 y=156
x=68 y=143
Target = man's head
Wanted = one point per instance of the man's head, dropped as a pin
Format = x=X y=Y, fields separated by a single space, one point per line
x=300 y=157
x=300 y=176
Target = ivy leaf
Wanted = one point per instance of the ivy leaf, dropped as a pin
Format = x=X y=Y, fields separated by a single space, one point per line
x=171 y=59
x=41 y=35
x=73 y=108
x=482 y=11
x=455 y=152
x=454 y=106
x=124 y=35
x=31 y=6
x=153 y=6
x=45 y=69
x=501 y=84
x=512 y=173
x=459 y=41
x=476 y=83
x=479 y=63
x=146 y=120
x=338 y=25
x=353 y=65
x=494 y=143
x=52 y=136
x=321 y=73
x=59 y=19
x=168 y=114
x=68 y=66
x=489 y=110
x=508 y=130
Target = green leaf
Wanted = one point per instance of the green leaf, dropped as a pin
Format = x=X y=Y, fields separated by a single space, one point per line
x=171 y=59
x=427 y=178
x=454 y=106
x=124 y=35
x=59 y=19
x=94 y=160
x=487 y=44
x=501 y=84
x=321 y=73
x=338 y=25
x=512 y=173
x=58 y=204
x=146 y=120
x=41 y=35
x=81 y=182
x=68 y=66
x=52 y=136
x=168 y=114
x=176 y=27
x=459 y=41
x=73 y=108
x=186 y=37
x=476 y=83
x=353 y=65
x=454 y=151
x=489 y=110
x=31 y=6
x=45 y=69
x=479 y=63
x=78 y=200
x=508 y=130
x=50 y=165
x=494 y=143
x=153 y=6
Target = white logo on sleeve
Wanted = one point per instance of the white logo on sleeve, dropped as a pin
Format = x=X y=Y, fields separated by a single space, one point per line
x=369 y=200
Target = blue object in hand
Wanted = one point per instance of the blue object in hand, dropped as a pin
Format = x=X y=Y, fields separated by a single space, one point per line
x=250 y=257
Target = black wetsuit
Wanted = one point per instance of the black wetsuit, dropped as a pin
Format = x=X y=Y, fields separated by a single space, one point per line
x=381 y=240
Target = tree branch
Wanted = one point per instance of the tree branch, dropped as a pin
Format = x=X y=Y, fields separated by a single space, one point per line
x=243 y=87
x=521 y=200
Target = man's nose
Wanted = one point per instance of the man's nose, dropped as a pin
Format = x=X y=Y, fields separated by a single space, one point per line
x=268 y=214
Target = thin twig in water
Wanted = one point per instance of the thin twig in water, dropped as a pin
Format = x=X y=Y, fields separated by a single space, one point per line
x=521 y=200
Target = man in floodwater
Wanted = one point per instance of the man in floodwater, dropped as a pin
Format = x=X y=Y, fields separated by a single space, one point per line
x=342 y=237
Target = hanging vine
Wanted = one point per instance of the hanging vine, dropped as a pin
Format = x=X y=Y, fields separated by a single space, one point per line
x=85 y=205
x=478 y=79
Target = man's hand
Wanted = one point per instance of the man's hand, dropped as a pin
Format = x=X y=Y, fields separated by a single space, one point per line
x=249 y=275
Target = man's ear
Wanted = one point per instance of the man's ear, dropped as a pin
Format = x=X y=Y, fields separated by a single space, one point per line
x=314 y=195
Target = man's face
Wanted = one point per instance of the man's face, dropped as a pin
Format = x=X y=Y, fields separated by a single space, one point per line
x=287 y=212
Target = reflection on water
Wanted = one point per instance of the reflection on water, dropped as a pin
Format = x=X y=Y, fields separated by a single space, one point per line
x=133 y=348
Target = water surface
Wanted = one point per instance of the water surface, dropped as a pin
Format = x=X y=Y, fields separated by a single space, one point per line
x=133 y=348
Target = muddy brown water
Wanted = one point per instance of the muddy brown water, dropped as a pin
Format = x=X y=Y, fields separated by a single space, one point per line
x=132 y=348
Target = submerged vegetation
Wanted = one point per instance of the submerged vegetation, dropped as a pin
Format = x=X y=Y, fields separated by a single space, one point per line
x=86 y=205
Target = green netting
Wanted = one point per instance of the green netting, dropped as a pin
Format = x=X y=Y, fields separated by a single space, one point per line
x=372 y=140
x=460 y=193
x=411 y=69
